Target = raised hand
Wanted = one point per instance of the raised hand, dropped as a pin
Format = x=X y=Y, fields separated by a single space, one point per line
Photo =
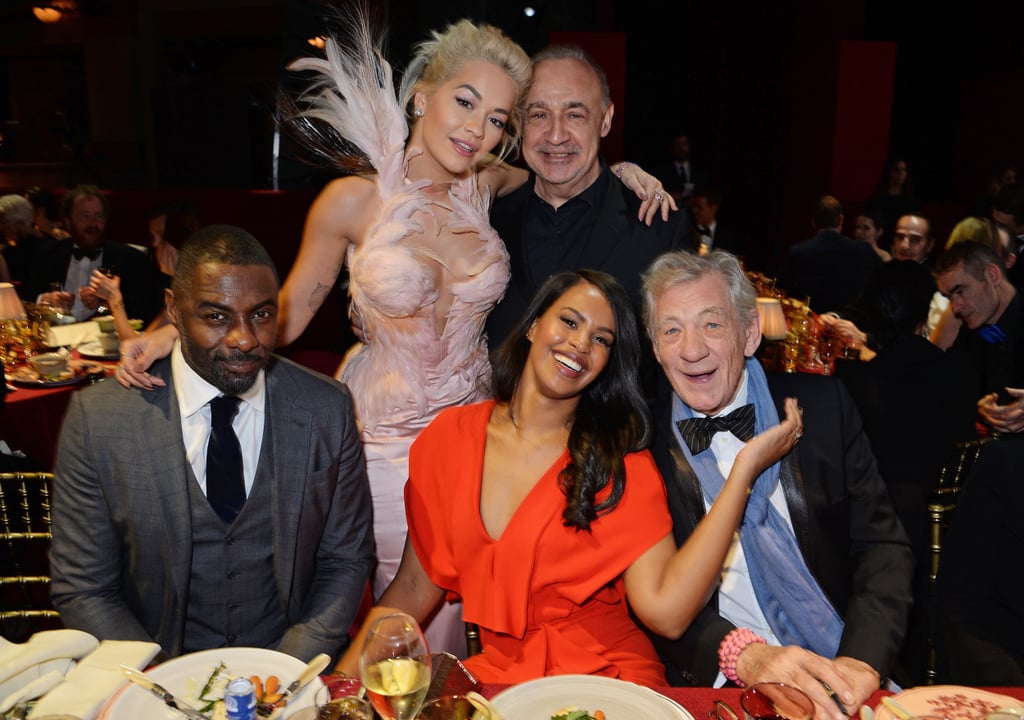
x=140 y=352
x=773 y=444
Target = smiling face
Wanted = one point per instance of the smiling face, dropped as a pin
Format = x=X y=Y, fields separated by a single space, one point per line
x=565 y=121
x=227 y=321
x=571 y=342
x=464 y=117
x=702 y=343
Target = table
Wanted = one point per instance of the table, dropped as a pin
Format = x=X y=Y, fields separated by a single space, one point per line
x=699 y=701
x=30 y=419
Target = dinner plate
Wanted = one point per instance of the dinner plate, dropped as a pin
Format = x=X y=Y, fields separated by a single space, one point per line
x=619 y=700
x=94 y=350
x=78 y=371
x=132 y=702
x=953 y=702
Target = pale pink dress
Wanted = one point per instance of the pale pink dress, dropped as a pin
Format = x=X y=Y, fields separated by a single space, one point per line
x=409 y=369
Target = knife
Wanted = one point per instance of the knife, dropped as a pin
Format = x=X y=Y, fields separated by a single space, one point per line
x=311 y=671
x=896 y=709
x=143 y=681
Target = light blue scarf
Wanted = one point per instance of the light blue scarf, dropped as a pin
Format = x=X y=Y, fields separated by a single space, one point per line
x=797 y=610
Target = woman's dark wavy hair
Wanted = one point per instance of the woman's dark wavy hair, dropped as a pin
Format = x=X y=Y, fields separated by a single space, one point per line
x=612 y=418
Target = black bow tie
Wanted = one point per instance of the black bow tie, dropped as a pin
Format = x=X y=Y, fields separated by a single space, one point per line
x=80 y=252
x=697 y=432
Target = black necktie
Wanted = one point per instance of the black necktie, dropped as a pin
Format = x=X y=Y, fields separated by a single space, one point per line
x=80 y=252
x=697 y=432
x=225 y=486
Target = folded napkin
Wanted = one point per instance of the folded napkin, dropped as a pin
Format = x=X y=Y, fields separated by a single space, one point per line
x=96 y=677
x=44 y=652
x=41 y=685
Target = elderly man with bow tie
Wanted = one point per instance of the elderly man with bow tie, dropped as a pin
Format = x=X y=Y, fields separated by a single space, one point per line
x=816 y=589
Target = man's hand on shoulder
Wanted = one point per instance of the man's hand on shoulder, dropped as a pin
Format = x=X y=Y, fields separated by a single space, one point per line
x=801 y=668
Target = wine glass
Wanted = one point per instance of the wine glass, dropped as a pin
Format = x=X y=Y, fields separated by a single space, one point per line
x=395 y=667
x=102 y=308
x=827 y=348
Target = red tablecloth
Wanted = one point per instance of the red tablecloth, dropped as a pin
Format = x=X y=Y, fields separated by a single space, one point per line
x=30 y=419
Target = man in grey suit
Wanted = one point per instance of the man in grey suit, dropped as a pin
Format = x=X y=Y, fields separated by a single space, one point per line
x=252 y=530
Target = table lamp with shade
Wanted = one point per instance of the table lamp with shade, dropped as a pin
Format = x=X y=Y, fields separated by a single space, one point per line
x=773 y=319
x=11 y=307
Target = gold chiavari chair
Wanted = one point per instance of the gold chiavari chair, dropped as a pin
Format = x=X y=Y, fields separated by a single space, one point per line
x=24 y=543
x=940 y=509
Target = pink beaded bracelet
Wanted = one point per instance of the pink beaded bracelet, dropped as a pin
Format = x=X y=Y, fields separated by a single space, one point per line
x=730 y=649
x=621 y=168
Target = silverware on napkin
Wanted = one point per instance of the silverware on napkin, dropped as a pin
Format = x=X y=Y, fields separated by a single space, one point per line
x=142 y=680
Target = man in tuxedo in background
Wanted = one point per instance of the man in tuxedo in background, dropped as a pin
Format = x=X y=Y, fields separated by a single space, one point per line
x=817 y=586
x=72 y=261
x=227 y=506
x=681 y=175
x=707 y=233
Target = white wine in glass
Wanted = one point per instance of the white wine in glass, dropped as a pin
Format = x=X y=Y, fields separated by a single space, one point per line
x=395 y=667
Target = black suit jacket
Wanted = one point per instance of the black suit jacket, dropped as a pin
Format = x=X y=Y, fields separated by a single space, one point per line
x=844 y=523
x=619 y=245
x=995 y=366
x=830 y=268
x=724 y=238
x=138 y=287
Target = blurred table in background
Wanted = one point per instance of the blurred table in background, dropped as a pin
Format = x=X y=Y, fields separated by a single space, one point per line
x=30 y=418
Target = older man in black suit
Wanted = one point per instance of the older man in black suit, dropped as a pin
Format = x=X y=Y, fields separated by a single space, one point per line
x=817 y=586
x=572 y=212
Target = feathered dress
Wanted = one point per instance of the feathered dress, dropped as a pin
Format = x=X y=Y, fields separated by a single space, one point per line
x=409 y=369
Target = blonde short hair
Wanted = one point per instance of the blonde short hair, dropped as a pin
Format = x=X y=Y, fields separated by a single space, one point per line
x=437 y=59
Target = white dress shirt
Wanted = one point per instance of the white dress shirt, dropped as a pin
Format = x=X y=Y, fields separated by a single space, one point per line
x=194 y=395
x=78 y=275
x=737 y=601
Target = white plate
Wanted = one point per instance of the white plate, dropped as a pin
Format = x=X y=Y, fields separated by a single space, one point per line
x=133 y=703
x=954 y=702
x=93 y=349
x=540 y=699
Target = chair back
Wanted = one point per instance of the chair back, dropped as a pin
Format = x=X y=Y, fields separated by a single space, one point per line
x=940 y=509
x=24 y=546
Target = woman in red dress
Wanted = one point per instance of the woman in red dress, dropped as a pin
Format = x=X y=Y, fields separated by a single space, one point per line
x=543 y=513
